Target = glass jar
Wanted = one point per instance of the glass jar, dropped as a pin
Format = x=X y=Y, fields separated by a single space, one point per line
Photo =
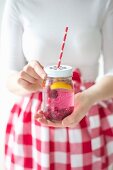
x=58 y=93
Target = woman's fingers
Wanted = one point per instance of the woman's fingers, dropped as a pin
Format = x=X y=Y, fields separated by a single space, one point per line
x=38 y=68
x=74 y=118
x=31 y=77
x=50 y=123
x=41 y=118
x=35 y=70
x=29 y=86
x=59 y=124
x=29 y=70
x=23 y=83
x=25 y=76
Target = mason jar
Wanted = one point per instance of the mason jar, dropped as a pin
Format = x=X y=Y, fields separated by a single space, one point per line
x=58 y=93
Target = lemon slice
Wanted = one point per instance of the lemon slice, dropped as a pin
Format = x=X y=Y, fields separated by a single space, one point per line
x=61 y=85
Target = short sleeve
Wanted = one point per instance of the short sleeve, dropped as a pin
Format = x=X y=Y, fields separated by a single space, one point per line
x=107 y=40
x=12 y=56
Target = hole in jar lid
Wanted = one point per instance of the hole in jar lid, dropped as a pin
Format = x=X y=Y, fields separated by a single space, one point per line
x=55 y=67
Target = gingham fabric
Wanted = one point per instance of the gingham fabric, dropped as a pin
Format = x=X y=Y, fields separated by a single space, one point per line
x=30 y=145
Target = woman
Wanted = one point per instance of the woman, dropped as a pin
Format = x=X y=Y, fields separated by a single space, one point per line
x=32 y=32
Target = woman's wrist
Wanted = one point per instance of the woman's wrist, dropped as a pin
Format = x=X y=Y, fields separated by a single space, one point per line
x=101 y=90
x=96 y=92
x=93 y=94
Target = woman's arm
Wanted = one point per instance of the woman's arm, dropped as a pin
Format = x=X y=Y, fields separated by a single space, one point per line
x=102 y=90
x=21 y=78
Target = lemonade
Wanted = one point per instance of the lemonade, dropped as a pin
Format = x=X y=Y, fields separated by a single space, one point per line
x=58 y=97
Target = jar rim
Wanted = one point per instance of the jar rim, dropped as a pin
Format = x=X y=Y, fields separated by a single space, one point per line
x=62 y=71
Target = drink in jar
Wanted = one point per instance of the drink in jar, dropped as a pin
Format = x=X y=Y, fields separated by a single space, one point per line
x=58 y=93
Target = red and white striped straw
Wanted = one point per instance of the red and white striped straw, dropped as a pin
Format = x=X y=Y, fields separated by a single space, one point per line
x=62 y=48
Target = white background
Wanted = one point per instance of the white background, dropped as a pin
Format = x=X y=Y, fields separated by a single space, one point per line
x=6 y=101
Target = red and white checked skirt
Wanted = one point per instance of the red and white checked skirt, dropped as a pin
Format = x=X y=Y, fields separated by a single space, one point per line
x=30 y=145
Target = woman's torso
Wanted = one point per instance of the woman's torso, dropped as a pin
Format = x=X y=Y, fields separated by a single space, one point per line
x=44 y=23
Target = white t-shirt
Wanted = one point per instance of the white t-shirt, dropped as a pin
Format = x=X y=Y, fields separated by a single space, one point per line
x=34 y=29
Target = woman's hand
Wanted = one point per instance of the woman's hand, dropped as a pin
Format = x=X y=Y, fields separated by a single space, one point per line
x=83 y=102
x=28 y=80
x=31 y=77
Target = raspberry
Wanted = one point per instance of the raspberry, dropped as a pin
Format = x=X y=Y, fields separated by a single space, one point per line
x=66 y=111
x=53 y=94
x=58 y=115
x=61 y=114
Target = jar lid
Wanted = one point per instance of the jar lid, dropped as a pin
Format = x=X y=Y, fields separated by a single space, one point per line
x=62 y=71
